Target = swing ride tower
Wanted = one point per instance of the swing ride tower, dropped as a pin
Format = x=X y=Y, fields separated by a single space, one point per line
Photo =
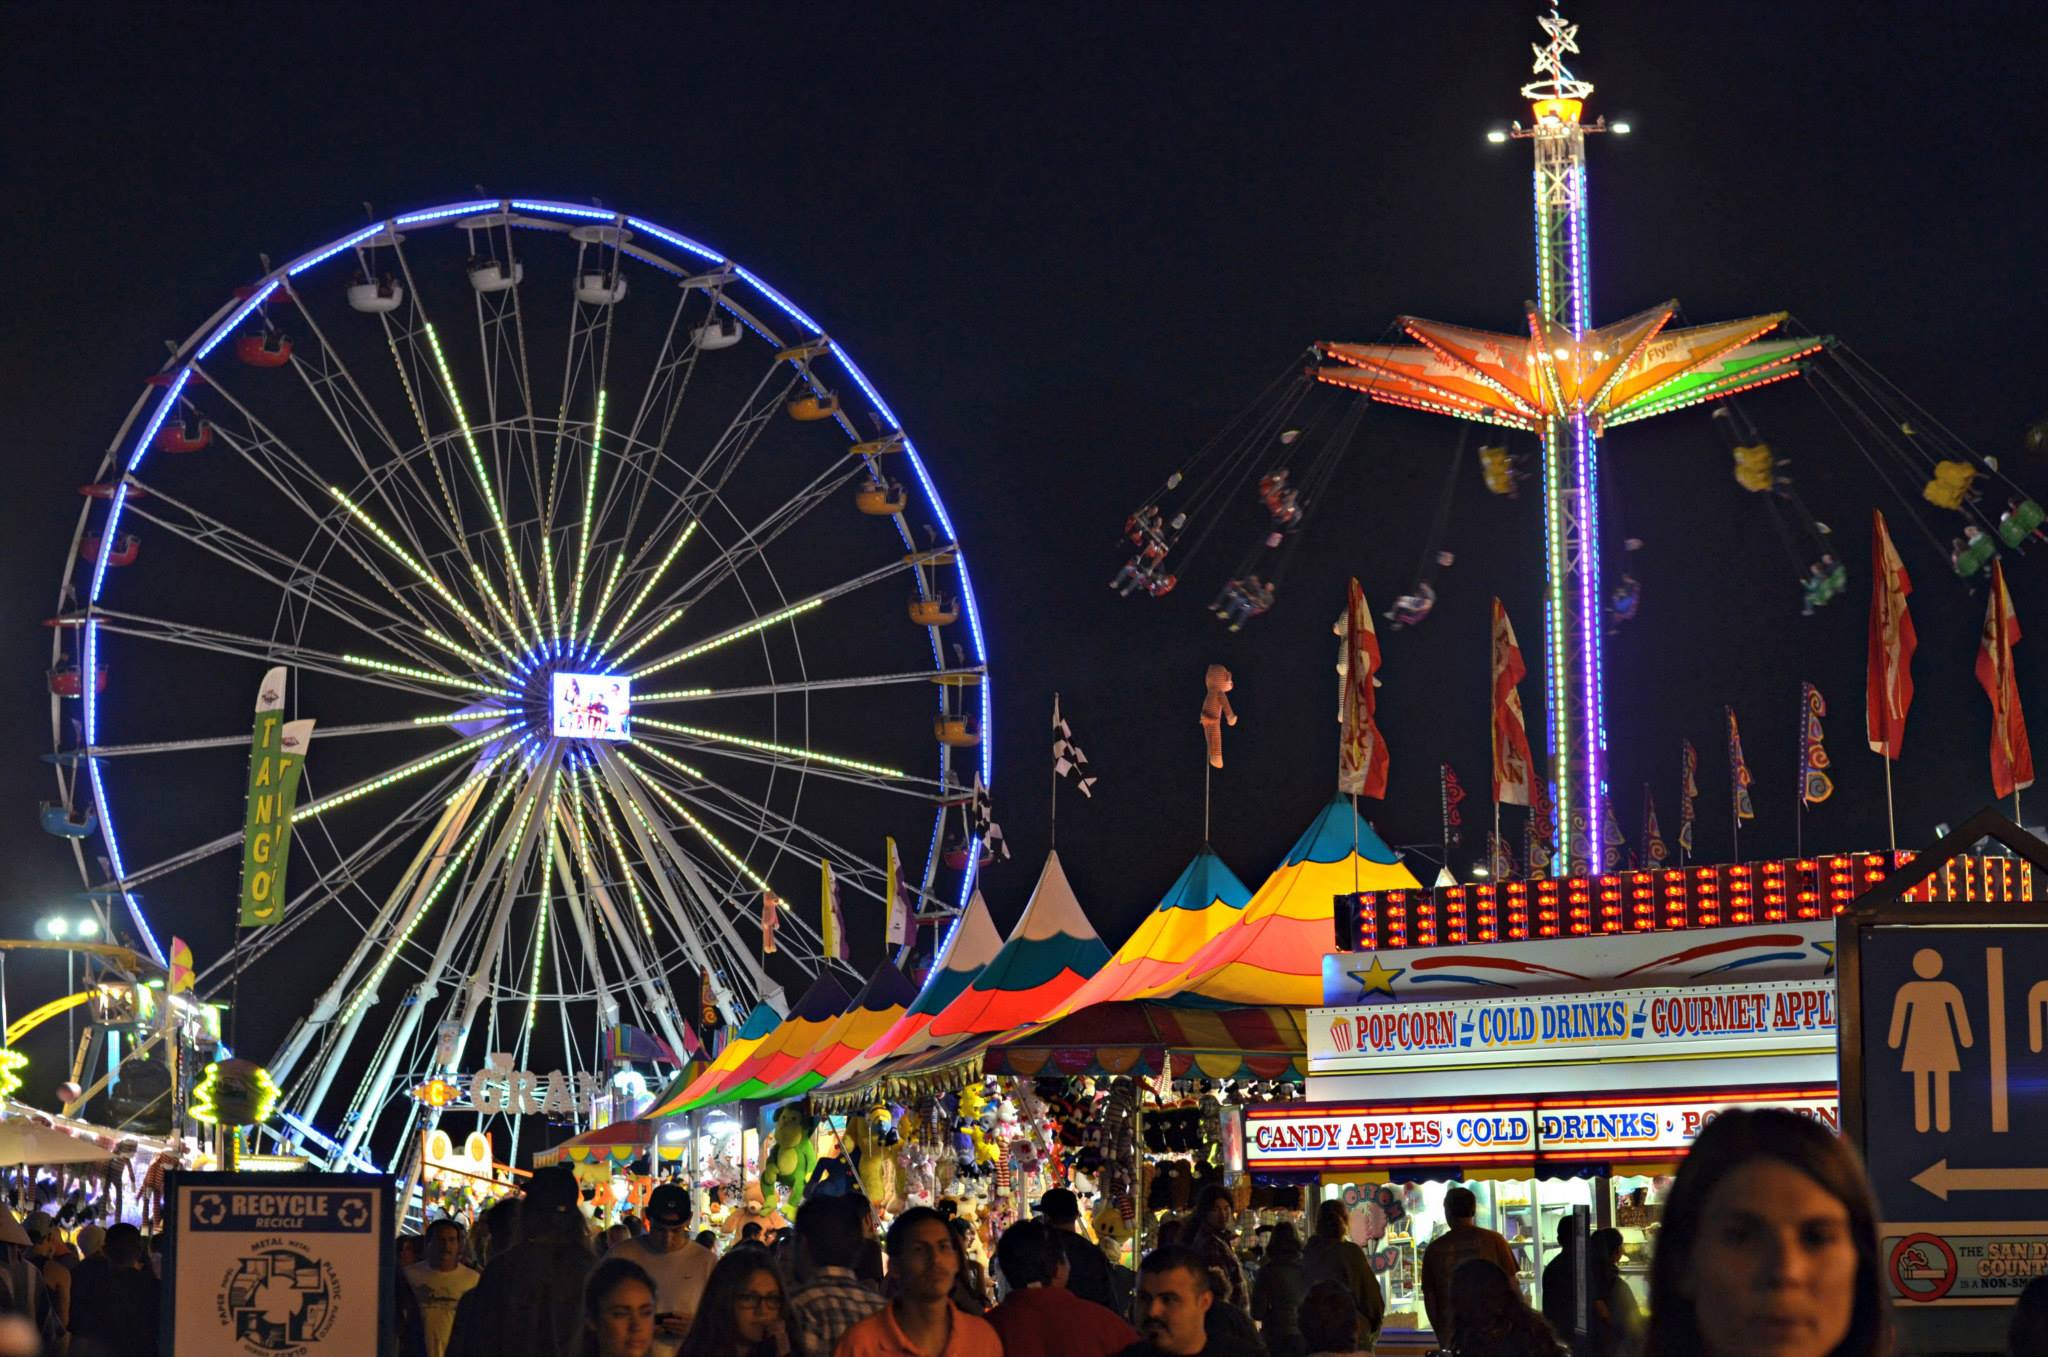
x=1567 y=383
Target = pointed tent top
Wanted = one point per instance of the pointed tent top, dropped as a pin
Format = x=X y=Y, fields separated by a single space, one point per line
x=972 y=944
x=1053 y=910
x=763 y=1020
x=824 y=1000
x=873 y=1011
x=1272 y=953
x=1330 y=839
x=1205 y=883
x=1204 y=900
x=1052 y=950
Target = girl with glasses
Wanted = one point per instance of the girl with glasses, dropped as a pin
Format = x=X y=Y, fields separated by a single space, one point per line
x=743 y=1312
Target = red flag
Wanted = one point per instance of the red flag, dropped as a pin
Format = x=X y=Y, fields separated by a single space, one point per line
x=2012 y=759
x=1889 y=691
x=1511 y=762
x=771 y=917
x=1361 y=754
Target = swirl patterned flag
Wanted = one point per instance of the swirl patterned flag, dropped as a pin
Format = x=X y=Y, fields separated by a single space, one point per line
x=1815 y=786
x=1512 y=766
x=1655 y=852
x=1688 y=793
x=1738 y=773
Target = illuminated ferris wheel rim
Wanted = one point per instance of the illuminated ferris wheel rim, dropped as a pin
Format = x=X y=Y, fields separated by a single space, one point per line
x=161 y=394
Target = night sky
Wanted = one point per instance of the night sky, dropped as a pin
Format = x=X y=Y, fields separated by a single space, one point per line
x=1068 y=243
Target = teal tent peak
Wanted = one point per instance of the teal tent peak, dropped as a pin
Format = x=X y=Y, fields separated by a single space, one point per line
x=1206 y=882
x=1330 y=839
x=763 y=1020
x=969 y=948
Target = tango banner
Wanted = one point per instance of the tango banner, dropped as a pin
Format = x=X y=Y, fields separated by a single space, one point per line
x=277 y=755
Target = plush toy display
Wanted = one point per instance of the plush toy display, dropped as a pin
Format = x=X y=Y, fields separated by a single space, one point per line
x=1216 y=711
x=789 y=1160
x=872 y=1139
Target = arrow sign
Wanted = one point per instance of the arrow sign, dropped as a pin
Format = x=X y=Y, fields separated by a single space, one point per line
x=1941 y=1180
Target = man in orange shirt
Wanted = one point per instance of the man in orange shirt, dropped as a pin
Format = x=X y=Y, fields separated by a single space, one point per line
x=1464 y=1241
x=1040 y=1317
x=921 y=1321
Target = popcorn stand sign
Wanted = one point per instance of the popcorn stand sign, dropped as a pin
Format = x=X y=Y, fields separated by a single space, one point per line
x=277 y=1265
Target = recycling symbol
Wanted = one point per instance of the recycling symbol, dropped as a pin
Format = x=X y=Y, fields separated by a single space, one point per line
x=353 y=1213
x=209 y=1208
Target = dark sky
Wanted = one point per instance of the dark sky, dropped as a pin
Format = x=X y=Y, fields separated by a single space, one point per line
x=1069 y=242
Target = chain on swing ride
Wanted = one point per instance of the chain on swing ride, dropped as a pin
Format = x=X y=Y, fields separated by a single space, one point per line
x=440 y=468
x=1565 y=382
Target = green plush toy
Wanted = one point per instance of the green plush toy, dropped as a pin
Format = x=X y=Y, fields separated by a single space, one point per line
x=790 y=1156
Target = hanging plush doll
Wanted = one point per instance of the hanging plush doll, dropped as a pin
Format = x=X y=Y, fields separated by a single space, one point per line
x=789 y=1158
x=1216 y=711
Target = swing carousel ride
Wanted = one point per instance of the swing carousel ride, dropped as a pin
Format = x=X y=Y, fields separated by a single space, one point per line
x=1562 y=385
x=622 y=601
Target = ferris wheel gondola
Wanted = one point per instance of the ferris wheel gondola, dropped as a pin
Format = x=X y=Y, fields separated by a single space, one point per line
x=510 y=448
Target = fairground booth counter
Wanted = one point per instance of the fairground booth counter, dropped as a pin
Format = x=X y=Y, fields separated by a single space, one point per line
x=1045 y=1059
x=1555 y=1045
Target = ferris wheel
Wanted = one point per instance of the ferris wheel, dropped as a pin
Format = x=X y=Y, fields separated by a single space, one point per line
x=619 y=596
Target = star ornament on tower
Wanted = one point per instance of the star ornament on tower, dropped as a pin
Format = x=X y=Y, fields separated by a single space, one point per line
x=1568 y=382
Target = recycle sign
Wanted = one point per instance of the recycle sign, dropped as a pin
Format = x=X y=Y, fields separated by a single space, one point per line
x=266 y=1264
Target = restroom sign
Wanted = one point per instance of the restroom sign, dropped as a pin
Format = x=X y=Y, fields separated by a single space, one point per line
x=1944 y=1053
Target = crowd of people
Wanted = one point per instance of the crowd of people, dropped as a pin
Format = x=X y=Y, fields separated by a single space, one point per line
x=1767 y=1248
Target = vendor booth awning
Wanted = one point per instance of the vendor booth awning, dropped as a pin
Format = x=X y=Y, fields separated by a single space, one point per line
x=761 y=1070
x=875 y=1010
x=1273 y=953
x=1254 y=1042
x=1204 y=900
x=621 y=1143
x=1051 y=952
x=758 y=1027
x=969 y=948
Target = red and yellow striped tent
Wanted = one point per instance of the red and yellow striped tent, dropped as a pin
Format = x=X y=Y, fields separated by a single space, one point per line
x=1273 y=952
x=1204 y=900
x=762 y=1067
x=758 y=1027
x=969 y=948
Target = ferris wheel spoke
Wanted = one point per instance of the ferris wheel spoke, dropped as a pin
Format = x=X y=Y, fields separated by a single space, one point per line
x=633 y=966
x=661 y=398
x=445 y=867
x=683 y=517
x=454 y=811
x=753 y=817
x=969 y=674
x=700 y=924
x=256 y=452
x=269 y=652
x=656 y=842
x=283 y=574
x=327 y=734
x=327 y=379
x=744 y=749
x=423 y=326
x=761 y=623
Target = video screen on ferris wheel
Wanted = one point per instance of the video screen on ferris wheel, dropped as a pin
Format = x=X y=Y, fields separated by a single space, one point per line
x=591 y=706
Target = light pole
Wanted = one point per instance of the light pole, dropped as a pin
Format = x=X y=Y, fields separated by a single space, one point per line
x=69 y=928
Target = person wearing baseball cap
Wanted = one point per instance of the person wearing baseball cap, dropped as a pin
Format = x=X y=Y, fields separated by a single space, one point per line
x=1088 y=1271
x=679 y=1265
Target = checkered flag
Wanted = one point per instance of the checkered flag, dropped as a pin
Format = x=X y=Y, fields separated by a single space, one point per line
x=1067 y=759
x=982 y=823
